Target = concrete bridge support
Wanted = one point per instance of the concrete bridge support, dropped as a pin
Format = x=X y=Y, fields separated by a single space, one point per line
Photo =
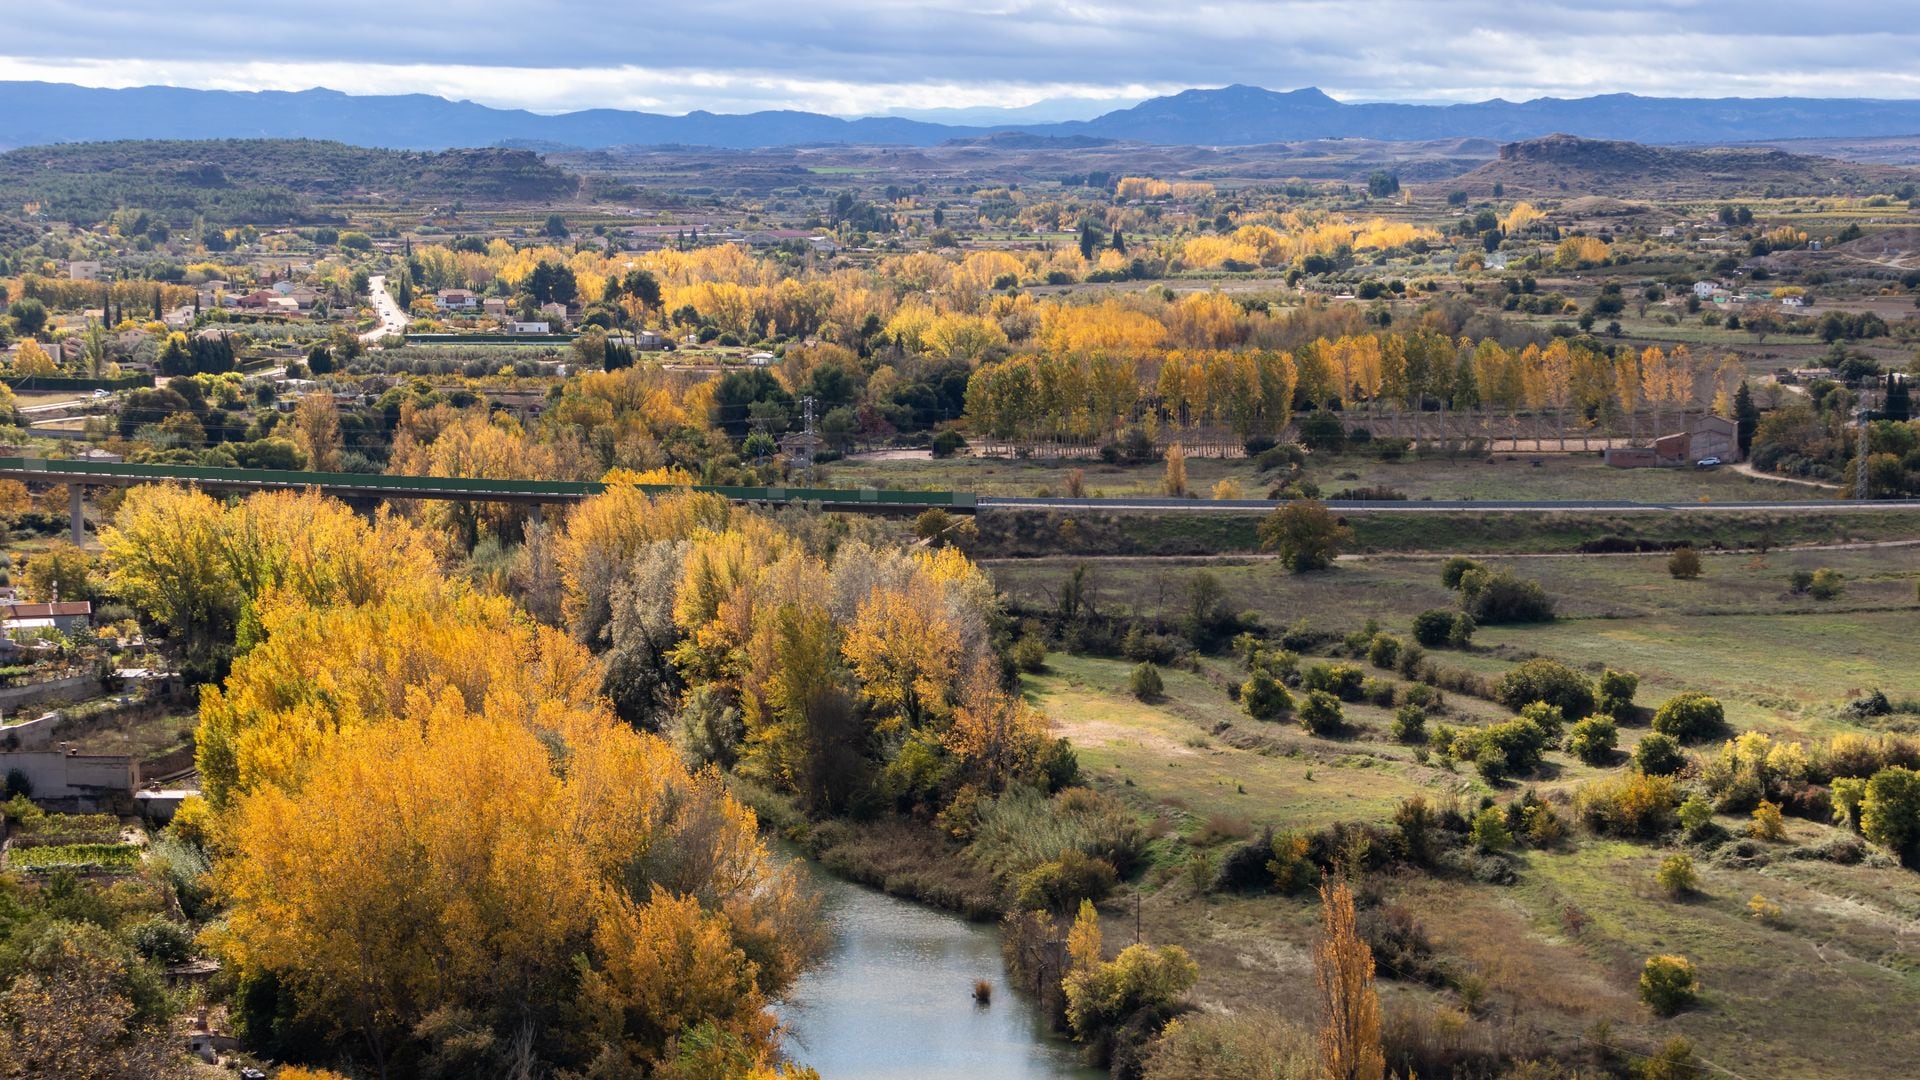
x=76 y=493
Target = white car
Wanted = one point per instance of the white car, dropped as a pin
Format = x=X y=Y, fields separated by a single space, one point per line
x=101 y=394
x=1707 y=463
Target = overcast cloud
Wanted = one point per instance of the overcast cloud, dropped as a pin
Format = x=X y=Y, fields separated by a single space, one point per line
x=872 y=56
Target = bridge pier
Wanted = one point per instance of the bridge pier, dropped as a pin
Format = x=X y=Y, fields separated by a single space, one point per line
x=75 y=493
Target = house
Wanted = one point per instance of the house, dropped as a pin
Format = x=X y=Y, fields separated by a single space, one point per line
x=64 y=616
x=555 y=311
x=304 y=297
x=258 y=300
x=649 y=341
x=84 y=270
x=1791 y=302
x=496 y=306
x=527 y=328
x=1705 y=289
x=456 y=300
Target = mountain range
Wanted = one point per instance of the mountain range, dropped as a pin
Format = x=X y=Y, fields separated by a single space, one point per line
x=34 y=113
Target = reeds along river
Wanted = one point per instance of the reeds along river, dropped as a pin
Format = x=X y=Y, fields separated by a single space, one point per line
x=894 y=999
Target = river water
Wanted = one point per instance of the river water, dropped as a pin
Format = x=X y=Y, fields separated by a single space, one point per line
x=894 y=999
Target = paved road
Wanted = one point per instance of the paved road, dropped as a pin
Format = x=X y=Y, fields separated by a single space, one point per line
x=392 y=320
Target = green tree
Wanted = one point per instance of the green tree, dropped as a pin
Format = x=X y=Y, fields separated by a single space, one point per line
x=1690 y=716
x=1546 y=680
x=1890 y=812
x=1305 y=535
x=1746 y=417
x=1593 y=740
x=29 y=315
x=1684 y=563
x=1264 y=697
x=1145 y=682
x=1321 y=714
x=1659 y=755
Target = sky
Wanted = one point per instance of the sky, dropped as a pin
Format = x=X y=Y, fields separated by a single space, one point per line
x=1063 y=58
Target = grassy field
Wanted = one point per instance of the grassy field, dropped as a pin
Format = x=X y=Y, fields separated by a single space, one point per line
x=1503 y=477
x=1202 y=758
x=1723 y=633
x=1811 y=994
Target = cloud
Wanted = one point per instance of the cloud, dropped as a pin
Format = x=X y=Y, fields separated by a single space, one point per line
x=873 y=56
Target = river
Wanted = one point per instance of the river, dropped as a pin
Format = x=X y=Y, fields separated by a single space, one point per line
x=894 y=998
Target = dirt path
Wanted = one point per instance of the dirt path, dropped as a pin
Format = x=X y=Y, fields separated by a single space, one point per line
x=1745 y=469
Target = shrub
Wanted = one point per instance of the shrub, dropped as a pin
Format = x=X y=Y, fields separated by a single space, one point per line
x=1140 y=978
x=1264 y=698
x=1690 y=717
x=1695 y=813
x=1422 y=696
x=1677 y=877
x=1763 y=909
x=1456 y=568
x=1377 y=692
x=1384 y=652
x=1659 y=754
x=1022 y=829
x=1461 y=634
x=1321 y=714
x=1433 y=628
x=1291 y=867
x=1145 y=682
x=1628 y=805
x=1825 y=584
x=1060 y=884
x=1616 y=692
x=1684 y=563
x=1029 y=654
x=1767 y=822
x=1501 y=750
x=1549 y=681
x=948 y=443
x=1550 y=718
x=1593 y=740
x=1410 y=724
x=1667 y=984
x=1799 y=581
x=1343 y=681
x=1673 y=1061
x=1490 y=831
x=1494 y=598
x=161 y=940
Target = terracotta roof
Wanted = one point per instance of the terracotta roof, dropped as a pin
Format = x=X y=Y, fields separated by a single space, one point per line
x=46 y=611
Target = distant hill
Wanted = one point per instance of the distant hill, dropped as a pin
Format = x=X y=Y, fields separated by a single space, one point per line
x=36 y=113
x=1568 y=165
x=261 y=181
